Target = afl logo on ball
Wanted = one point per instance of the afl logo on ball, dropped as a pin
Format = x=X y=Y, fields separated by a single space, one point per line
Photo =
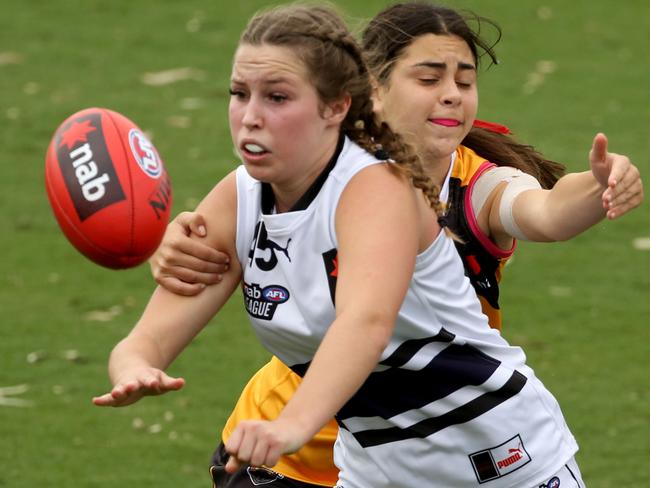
x=145 y=154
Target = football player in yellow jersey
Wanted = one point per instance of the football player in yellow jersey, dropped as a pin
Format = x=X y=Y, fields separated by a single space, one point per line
x=497 y=190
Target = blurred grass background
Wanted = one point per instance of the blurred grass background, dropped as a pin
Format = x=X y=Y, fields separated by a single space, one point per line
x=580 y=309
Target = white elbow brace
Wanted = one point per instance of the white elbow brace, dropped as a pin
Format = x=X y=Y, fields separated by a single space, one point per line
x=516 y=183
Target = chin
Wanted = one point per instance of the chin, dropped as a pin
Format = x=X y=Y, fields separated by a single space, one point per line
x=260 y=173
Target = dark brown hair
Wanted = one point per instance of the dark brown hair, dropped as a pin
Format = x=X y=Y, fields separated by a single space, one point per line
x=336 y=66
x=393 y=30
x=504 y=150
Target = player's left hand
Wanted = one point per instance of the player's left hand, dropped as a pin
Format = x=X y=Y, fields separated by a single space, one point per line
x=261 y=443
x=620 y=178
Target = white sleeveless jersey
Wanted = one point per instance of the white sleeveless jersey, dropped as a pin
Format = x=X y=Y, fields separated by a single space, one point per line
x=451 y=403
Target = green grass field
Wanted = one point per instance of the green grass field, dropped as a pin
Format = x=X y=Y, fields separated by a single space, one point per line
x=580 y=309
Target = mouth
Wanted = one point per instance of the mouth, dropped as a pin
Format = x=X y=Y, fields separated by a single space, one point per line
x=445 y=122
x=253 y=150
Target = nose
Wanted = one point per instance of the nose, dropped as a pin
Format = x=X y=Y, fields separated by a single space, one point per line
x=450 y=93
x=252 y=116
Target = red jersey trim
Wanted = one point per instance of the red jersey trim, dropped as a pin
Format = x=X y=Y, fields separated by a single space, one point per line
x=485 y=241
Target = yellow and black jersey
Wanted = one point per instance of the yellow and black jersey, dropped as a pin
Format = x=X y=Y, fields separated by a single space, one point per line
x=267 y=392
x=483 y=260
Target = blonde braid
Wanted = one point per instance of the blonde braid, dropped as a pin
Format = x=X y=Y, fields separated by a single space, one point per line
x=372 y=135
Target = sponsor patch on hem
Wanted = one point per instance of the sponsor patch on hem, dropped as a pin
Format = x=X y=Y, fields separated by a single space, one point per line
x=496 y=462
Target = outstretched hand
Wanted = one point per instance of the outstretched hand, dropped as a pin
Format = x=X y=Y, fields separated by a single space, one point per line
x=184 y=265
x=136 y=384
x=261 y=443
x=620 y=178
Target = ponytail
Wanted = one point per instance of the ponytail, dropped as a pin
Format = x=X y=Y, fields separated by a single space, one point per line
x=498 y=147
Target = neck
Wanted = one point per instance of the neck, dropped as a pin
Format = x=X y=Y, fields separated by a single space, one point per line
x=437 y=168
x=288 y=194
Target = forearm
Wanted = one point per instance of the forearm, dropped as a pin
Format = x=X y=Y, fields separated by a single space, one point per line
x=576 y=204
x=168 y=324
x=345 y=358
x=572 y=206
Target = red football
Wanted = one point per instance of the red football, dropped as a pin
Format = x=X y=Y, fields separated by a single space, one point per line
x=108 y=188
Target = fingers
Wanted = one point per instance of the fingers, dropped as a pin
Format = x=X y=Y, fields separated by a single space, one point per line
x=177 y=259
x=626 y=200
x=232 y=448
x=205 y=258
x=180 y=287
x=600 y=160
x=169 y=383
x=121 y=395
x=621 y=169
x=598 y=151
x=105 y=400
x=186 y=274
x=233 y=465
x=254 y=443
x=146 y=382
x=191 y=222
x=181 y=261
x=193 y=256
x=626 y=192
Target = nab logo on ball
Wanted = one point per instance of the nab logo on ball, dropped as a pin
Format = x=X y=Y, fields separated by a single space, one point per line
x=145 y=154
x=87 y=167
x=107 y=187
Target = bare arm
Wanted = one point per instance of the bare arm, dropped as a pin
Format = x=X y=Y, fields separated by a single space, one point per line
x=576 y=202
x=184 y=264
x=170 y=322
x=375 y=267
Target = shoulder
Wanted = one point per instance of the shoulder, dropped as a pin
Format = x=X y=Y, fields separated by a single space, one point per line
x=379 y=179
x=468 y=164
x=374 y=191
x=382 y=195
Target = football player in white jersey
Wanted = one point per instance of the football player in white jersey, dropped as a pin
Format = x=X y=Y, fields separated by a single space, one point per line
x=185 y=265
x=383 y=313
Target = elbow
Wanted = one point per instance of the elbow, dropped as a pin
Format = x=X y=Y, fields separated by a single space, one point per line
x=378 y=333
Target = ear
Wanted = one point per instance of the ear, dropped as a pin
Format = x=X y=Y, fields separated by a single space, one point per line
x=336 y=112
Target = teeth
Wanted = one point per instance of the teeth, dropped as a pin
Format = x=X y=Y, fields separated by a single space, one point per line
x=254 y=148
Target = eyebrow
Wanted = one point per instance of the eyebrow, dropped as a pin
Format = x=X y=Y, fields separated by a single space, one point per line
x=437 y=65
x=270 y=81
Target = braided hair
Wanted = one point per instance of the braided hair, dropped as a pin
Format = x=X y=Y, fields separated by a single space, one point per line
x=336 y=65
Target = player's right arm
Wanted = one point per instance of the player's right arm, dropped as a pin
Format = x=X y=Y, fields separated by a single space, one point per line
x=520 y=208
x=170 y=321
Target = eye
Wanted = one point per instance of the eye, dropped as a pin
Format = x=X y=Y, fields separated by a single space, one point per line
x=240 y=94
x=428 y=81
x=465 y=84
x=277 y=97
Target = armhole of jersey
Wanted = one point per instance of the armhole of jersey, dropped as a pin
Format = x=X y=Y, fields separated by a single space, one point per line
x=485 y=241
x=241 y=181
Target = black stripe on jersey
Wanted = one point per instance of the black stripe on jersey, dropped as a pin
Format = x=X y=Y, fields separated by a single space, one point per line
x=460 y=415
x=397 y=390
x=300 y=369
x=409 y=348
